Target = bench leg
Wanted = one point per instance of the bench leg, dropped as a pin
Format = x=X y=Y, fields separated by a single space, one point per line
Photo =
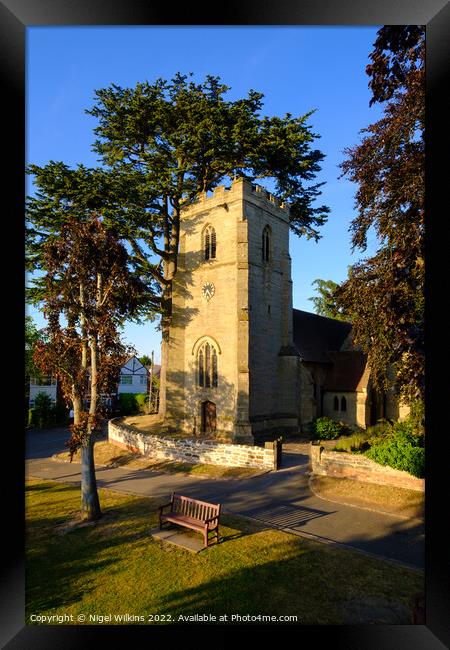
x=205 y=537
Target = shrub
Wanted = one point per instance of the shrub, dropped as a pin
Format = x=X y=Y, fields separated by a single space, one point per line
x=59 y=413
x=379 y=432
x=400 y=451
x=32 y=419
x=42 y=410
x=132 y=403
x=45 y=414
x=127 y=403
x=142 y=402
x=417 y=417
x=327 y=429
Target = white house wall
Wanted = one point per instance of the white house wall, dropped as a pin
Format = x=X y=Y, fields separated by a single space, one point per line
x=48 y=390
x=135 y=386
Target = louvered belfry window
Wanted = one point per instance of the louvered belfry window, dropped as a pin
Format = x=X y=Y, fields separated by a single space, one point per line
x=207 y=366
x=209 y=243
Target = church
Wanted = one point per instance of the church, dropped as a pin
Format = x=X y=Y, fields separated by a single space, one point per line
x=243 y=365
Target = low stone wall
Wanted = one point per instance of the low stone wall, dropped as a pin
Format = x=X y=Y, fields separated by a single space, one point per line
x=360 y=468
x=190 y=450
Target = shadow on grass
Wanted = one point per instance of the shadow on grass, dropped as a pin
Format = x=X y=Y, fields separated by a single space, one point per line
x=294 y=579
x=60 y=563
x=42 y=487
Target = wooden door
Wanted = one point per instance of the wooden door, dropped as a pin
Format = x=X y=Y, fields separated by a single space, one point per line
x=208 y=417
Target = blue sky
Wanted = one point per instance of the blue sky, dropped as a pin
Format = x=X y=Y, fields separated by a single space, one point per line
x=297 y=68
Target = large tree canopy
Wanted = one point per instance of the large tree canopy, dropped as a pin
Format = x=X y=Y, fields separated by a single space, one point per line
x=63 y=194
x=384 y=294
x=174 y=140
x=185 y=138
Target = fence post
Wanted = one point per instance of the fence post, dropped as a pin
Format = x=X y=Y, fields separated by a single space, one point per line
x=277 y=452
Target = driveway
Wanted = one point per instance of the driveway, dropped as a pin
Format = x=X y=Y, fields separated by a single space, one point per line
x=280 y=499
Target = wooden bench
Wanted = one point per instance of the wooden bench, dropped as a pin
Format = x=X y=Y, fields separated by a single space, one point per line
x=191 y=513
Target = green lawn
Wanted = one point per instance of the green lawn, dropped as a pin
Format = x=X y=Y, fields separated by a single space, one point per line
x=115 y=568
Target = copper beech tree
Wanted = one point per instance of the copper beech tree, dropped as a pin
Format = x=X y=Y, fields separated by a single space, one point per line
x=384 y=294
x=87 y=290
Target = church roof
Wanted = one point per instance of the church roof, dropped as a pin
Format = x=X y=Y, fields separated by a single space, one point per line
x=316 y=336
x=349 y=371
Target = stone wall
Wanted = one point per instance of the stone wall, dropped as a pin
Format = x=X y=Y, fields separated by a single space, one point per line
x=360 y=468
x=190 y=450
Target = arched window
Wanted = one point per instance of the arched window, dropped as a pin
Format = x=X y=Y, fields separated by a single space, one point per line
x=209 y=243
x=343 y=404
x=336 y=403
x=266 y=236
x=207 y=366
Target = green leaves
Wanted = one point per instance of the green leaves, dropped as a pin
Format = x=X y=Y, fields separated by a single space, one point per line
x=326 y=304
x=184 y=138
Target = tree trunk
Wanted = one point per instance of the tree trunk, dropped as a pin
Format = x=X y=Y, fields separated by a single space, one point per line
x=77 y=402
x=165 y=327
x=170 y=265
x=90 y=504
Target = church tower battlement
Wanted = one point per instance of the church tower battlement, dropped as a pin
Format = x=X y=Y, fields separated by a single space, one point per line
x=232 y=365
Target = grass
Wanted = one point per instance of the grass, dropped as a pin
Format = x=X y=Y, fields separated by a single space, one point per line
x=153 y=425
x=114 y=567
x=354 y=442
x=112 y=456
x=400 y=501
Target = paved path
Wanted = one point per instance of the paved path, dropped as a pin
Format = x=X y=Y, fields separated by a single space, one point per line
x=281 y=499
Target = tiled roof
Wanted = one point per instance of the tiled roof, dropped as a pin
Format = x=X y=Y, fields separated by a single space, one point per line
x=316 y=336
x=349 y=371
x=156 y=369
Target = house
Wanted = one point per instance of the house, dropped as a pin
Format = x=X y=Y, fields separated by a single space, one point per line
x=45 y=384
x=133 y=377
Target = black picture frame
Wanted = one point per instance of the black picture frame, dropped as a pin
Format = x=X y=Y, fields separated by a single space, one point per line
x=15 y=17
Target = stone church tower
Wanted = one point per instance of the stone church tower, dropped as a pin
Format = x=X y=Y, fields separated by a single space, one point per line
x=232 y=366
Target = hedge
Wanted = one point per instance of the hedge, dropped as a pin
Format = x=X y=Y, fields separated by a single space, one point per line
x=132 y=403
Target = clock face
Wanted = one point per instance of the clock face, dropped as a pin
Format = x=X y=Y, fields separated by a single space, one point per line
x=208 y=290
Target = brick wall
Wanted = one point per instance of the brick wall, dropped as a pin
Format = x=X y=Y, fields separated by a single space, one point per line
x=190 y=450
x=360 y=468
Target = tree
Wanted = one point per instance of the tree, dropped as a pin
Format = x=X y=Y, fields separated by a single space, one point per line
x=87 y=290
x=145 y=360
x=325 y=304
x=385 y=294
x=172 y=141
x=32 y=336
